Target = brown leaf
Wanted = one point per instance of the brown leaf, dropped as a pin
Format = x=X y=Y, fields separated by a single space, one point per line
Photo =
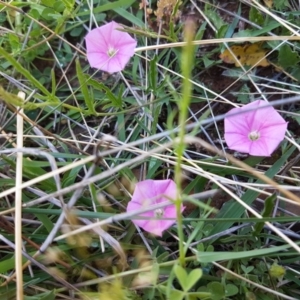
x=269 y=3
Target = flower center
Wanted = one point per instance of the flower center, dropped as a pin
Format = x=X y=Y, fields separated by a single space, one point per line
x=111 y=51
x=159 y=213
x=254 y=135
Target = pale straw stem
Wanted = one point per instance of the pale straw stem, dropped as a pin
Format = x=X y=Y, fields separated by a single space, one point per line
x=18 y=206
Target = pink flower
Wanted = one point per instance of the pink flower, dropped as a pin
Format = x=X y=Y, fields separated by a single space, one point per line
x=108 y=48
x=150 y=192
x=257 y=132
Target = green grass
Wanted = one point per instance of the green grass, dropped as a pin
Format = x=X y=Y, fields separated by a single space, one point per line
x=87 y=137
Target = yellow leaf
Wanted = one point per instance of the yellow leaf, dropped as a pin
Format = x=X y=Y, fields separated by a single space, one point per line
x=246 y=55
x=269 y=3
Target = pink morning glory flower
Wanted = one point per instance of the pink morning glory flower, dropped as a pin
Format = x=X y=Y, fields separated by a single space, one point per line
x=150 y=192
x=257 y=132
x=108 y=48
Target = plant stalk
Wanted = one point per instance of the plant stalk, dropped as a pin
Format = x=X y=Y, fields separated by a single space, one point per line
x=183 y=105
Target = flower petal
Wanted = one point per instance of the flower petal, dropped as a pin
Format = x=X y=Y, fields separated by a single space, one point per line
x=260 y=148
x=265 y=120
x=101 y=40
x=150 y=192
x=238 y=142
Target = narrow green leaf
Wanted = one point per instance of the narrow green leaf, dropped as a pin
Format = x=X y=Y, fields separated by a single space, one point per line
x=27 y=75
x=234 y=24
x=153 y=74
x=206 y=257
x=109 y=6
x=53 y=82
x=250 y=33
x=84 y=89
x=128 y=16
x=121 y=127
x=48 y=224
x=9 y=264
x=44 y=296
x=116 y=102
x=11 y=98
x=233 y=209
x=267 y=212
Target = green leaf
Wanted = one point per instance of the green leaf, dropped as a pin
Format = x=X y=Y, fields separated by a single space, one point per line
x=69 y=4
x=108 y=6
x=214 y=17
x=295 y=72
x=11 y=98
x=267 y=212
x=281 y=4
x=207 y=62
x=287 y=57
x=8 y=264
x=154 y=165
x=27 y=75
x=128 y=16
x=115 y=101
x=44 y=296
x=48 y=224
x=200 y=295
x=84 y=89
x=256 y=16
x=247 y=270
x=231 y=290
x=50 y=14
x=36 y=9
x=153 y=74
x=206 y=257
x=192 y=278
x=53 y=80
x=48 y=3
x=243 y=94
x=14 y=42
x=297 y=117
x=176 y=295
x=181 y=275
x=234 y=24
x=187 y=281
x=249 y=32
x=217 y=290
x=232 y=209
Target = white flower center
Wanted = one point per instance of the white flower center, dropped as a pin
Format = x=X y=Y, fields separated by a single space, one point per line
x=111 y=51
x=159 y=213
x=254 y=135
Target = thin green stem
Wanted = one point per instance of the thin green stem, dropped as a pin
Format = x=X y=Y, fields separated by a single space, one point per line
x=186 y=66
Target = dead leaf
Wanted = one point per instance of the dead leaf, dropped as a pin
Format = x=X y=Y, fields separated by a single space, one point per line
x=269 y=3
x=246 y=55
